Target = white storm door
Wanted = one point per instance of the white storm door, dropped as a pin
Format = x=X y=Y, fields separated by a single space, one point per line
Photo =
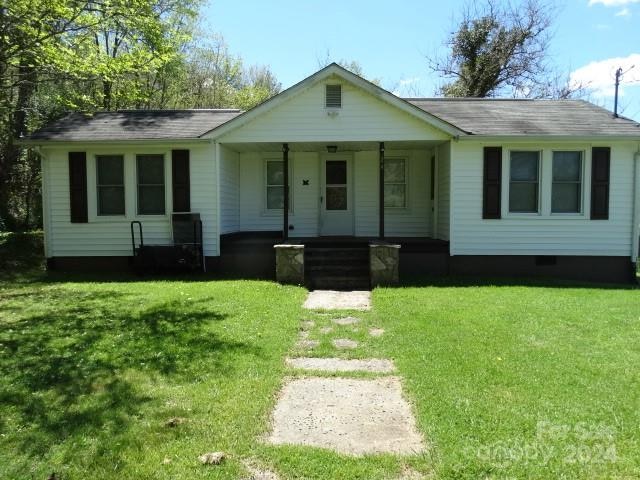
x=336 y=199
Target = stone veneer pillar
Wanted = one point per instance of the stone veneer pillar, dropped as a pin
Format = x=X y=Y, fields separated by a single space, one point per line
x=290 y=264
x=384 y=259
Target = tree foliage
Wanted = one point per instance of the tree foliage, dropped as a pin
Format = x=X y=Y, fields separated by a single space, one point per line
x=499 y=49
x=86 y=55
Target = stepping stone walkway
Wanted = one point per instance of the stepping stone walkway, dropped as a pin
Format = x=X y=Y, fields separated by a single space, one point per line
x=349 y=415
x=334 y=300
x=309 y=344
x=341 y=365
x=346 y=321
x=345 y=344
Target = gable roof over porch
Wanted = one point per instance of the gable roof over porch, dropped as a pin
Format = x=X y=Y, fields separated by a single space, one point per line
x=368 y=113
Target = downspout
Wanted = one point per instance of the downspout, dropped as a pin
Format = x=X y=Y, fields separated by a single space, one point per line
x=285 y=208
x=46 y=203
x=635 y=240
x=218 y=152
x=381 y=194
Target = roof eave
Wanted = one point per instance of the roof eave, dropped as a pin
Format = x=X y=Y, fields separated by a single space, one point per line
x=130 y=141
x=549 y=137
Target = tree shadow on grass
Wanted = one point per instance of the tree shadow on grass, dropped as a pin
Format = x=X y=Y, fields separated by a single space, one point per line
x=72 y=368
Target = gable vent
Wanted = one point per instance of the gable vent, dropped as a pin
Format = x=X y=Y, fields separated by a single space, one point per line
x=333 y=97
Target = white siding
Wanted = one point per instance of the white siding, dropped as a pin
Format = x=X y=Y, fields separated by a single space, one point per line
x=444 y=190
x=305 y=198
x=363 y=117
x=110 y=236
x=229 y=191
x=543 y=234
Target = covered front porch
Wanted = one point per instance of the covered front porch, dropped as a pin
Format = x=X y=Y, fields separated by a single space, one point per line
x=341 y=196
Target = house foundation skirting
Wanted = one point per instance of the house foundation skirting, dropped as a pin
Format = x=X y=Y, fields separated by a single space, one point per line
x=252 y=262
x=580 y=268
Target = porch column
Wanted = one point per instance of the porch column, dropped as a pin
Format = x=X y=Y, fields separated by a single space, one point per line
x=285 y=166
x=381 y=192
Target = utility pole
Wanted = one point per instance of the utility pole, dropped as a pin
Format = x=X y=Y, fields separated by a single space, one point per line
x=615 y=98
x=619 y=74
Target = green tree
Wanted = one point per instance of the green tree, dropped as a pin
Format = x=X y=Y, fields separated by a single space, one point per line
x=95 y=53
x=498 y=49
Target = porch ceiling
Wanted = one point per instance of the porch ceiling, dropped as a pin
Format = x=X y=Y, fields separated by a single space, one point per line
x=342 y=146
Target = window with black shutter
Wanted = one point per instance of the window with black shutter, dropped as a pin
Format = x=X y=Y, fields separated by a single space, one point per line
x=78 y=187
x=492 y=179
x=180 y=180
x=600 y=168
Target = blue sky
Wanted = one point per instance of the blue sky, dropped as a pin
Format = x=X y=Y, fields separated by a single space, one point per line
x=390 y=40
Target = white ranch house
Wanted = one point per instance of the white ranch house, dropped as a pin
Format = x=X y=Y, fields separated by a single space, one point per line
x=469 y=186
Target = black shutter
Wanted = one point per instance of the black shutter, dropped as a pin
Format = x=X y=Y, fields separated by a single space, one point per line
x=78 y=186
x=180 y=180
x=600 y=167
x=492 y=179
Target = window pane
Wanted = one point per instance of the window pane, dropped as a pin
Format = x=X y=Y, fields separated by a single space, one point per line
x=336 y=198
x=275 y=198
x=394 y=195
x=523 y=197
x=524 y=166
x=567 y=166
x=150 y=169
x=110 y=200
x=151 y=199
x=110 y=170
x=394 y=170
x=275 y=173
x=565 y=198
x=336 y=172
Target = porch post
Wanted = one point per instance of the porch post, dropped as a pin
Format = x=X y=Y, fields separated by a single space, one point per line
x=285 y=166
x=381 y=192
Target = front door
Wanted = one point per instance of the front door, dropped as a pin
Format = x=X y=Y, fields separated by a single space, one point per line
x=336 y=201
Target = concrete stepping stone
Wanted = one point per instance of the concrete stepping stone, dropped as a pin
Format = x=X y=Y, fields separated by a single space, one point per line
x=345 y=344
x=308 y=344
x=350 y=416
x=376 y=332
x=325 y=330
x=336 y=300
x=308 y=324
x=377 y=365
x=346 y=321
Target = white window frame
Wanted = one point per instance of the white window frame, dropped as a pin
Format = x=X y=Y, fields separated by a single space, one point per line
x=581 y=210
x=405 y=158
x=167 y=186
x=546 y=150
x=539 y=198
x=97 y=186
x=265 y=161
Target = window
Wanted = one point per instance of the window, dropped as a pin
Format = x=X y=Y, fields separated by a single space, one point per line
x=333 y=96
x=150 y=184
x=524 y=182
x=110 y=184
x=395 y=183
x=566 y=191
x=275 y=184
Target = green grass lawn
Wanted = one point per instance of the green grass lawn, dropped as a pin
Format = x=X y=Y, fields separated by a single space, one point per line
x=507 y=381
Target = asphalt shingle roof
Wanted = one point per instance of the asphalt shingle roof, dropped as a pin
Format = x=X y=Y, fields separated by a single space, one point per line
x=135 y=125
x=473 y=115
x=485 y=116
